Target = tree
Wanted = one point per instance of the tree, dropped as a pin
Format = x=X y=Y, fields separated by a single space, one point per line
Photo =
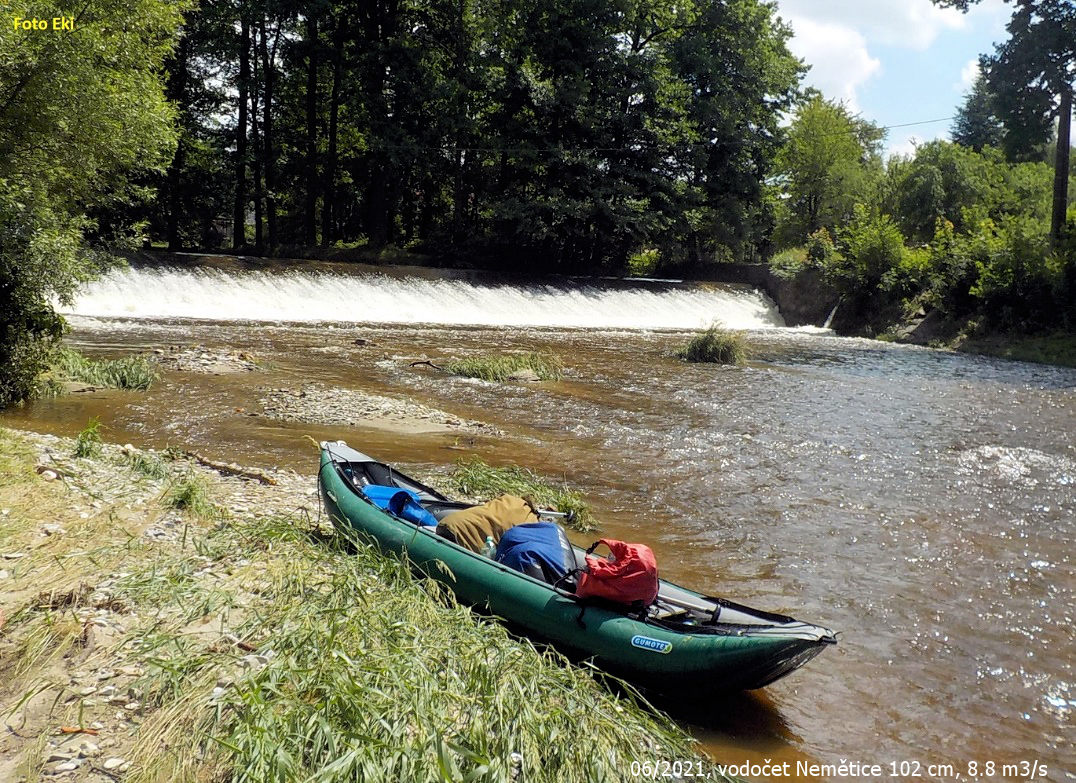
x=976 y=123
x=1031 y=76
x=80 y=111
x=830 y=163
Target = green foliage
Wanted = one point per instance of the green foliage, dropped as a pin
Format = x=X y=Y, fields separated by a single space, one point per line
x=644 y=262
x=88 y=442
x=79 y=112
x=976 y=124
x=502 y=366
x=191 y=493
x=715 y=345
x=821 y=251
x=830 y=163
x=788 y=262
x=476 y=477
x=129 y=372
x=945 y=180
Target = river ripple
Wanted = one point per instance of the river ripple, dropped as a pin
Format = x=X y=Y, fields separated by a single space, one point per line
x=921 y=502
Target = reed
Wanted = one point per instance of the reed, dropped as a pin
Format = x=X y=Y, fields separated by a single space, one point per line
x=715 y=345
x=475 y=477
x=129 y=372
x=501 y=367
x=88 y=442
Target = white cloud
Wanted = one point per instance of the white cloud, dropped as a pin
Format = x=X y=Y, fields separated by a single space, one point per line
x=837 y=55
x=968 y=74
x=907 y=23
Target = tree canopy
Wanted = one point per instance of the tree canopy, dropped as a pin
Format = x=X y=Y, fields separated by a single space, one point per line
x=80 y=111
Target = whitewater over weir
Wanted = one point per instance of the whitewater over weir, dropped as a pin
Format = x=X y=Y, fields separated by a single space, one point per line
x=295 y=296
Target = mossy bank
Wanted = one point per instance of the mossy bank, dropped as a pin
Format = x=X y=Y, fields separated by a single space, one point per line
x=140 y=640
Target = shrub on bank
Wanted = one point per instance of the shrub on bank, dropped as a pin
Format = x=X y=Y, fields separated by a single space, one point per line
x=715 y=345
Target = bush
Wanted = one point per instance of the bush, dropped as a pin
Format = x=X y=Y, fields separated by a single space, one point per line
x=715 y=345
x=1020 y=282
x=788 y=262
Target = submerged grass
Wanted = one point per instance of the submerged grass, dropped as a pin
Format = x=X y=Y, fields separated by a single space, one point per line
x=715 y=345
x=476 y=477
x=129 y=372
x=501 y=367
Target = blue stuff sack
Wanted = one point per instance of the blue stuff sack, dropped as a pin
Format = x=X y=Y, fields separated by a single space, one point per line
x=401 y=502
x=539 y=549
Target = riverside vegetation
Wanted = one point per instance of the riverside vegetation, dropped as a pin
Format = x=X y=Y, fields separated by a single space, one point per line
x=654 y=143
x=249 y=643
x=716 y=346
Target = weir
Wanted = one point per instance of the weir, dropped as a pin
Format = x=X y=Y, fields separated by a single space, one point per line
x=317 y=296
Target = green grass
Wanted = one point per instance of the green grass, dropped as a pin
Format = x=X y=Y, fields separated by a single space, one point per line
x=149 y=465
x=129 y=372
x=499 y=367
x=191 y=493
x=715 y=345
x=475 y=477
x=374 y=674
x=1057 y=348
x=88 y=442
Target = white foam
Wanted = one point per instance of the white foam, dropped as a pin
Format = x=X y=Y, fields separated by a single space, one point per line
x=314 y=297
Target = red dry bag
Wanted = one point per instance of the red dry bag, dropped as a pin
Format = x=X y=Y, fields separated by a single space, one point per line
x=631 y=575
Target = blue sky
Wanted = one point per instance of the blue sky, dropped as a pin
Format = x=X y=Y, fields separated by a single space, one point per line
x=894 y=61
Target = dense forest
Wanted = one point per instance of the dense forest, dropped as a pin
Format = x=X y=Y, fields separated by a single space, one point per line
x=560 y=135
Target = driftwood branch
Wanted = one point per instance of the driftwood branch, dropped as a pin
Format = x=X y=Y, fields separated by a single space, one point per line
x=232 y=469
x=431 y=364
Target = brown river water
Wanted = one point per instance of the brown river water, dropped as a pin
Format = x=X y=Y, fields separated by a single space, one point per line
x=920 y=502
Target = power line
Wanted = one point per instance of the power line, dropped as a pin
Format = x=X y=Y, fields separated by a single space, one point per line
x=638 y=148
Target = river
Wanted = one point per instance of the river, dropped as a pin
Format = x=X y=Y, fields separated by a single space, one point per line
x=921 y=502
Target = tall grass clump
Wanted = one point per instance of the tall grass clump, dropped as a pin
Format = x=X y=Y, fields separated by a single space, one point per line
x=191 y=493
x=149 y=465
x=129 y=372
x=476 y=477
x=88 y=442
x=716 y=345
x=373 y=673
x=502 y=366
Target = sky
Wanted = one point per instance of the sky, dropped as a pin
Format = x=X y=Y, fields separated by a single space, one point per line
x=895 y=61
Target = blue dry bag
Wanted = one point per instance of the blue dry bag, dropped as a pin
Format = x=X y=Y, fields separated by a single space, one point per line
x=401 y=502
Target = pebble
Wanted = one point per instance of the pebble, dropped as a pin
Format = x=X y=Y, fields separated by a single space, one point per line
x=53 y=530
x=67 y=766
x=14 y=555
x=88 y=750
x=49 y=475
x=58 y=755
x=114 y=763
x=4 y=574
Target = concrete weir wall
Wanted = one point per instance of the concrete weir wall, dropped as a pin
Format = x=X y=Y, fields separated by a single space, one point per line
x=804 y=300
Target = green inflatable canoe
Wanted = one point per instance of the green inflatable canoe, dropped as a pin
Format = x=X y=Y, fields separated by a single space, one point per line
x=683 y=643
